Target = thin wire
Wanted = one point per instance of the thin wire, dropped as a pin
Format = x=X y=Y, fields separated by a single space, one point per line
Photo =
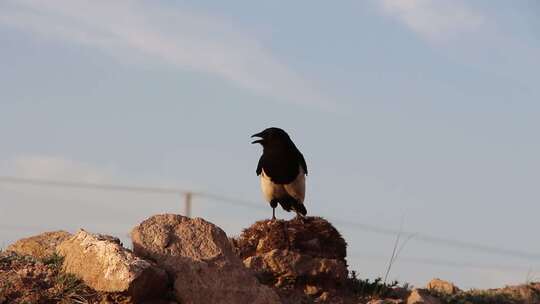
x=439 y=240
x=112 y=187
x=438 y=262
x=97 y=186
x=230 y=200
x=351 y=255
x=233 y=201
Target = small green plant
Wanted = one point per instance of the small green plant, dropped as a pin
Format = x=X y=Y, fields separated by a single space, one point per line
x=67 y=287
x=367 y=288
x=53 y=260
x=70 y=289
x=479 y=297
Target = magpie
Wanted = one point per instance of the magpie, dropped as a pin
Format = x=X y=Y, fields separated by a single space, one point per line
x=282 y=170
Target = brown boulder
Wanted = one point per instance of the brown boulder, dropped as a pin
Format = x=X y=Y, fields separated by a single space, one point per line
x=287 y=266
x=39 y=246
x=442 y=286
x=312 y=236
x=311 y=290
x=24 y=279
x=421 y=296
x=199 y=256
x=305 y=254
x=103 y=264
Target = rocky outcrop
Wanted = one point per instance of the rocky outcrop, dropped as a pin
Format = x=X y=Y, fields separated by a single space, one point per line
x=199 y=256
x=40 y=246
x=421 y=296
x=103 y=264
x=193 y=261
x=529 y=291
x=289 y=265
x=24 y=279
x=442 y=286
x=307 y=255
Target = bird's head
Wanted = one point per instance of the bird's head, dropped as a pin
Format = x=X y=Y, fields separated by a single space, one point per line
x=272 y=137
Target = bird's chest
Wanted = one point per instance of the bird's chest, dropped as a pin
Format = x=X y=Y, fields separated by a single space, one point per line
x=272 y=190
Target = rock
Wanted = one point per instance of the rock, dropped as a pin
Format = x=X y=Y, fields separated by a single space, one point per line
x=529 y=291
x=313 y=236
x=442 y=286
x=398 y=292
x=40 y=246
x=420 y=296
x=104 y=265
x=289 y=265
x=296 y=253
x=324 y=297
x=386 y=301
x=255 y=262
x=200 y=257
x=311 y=290
x=23 y=279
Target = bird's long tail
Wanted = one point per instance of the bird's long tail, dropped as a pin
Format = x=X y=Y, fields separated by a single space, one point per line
x=290 y=203
x=299 y=207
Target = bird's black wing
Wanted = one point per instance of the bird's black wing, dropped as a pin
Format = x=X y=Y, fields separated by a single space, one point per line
x=302 y=162
x=259 y=166
x=282 y=168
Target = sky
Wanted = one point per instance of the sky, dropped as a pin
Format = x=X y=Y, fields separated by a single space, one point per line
x=418 y=116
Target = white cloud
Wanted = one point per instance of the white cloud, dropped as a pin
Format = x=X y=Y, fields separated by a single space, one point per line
x=56 y=168
x=131 y=30
x=436 y=20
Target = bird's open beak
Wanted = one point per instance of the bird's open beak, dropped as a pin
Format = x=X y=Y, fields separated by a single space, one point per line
x=258 y=141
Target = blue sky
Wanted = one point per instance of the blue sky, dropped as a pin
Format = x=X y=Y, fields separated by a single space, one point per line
x=419 y=112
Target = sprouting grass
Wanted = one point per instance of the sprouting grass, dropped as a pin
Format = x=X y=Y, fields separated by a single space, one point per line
x=477 y=297
x=70 y=289
x=367 y=288
x=498 y=296
x=53 y=260
x=59 y=287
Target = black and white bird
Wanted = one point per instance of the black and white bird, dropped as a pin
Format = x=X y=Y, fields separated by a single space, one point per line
x=282 y=170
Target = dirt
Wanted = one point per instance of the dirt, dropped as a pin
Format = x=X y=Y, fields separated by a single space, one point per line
x=311 y=236
x=24 y=279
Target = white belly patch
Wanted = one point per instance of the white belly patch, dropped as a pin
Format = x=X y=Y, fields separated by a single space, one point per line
x=296 y=189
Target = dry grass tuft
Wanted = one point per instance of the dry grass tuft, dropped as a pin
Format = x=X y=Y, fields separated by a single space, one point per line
x=24 y=279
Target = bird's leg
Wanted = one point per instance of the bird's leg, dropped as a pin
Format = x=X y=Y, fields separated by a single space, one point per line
x=273 y=204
